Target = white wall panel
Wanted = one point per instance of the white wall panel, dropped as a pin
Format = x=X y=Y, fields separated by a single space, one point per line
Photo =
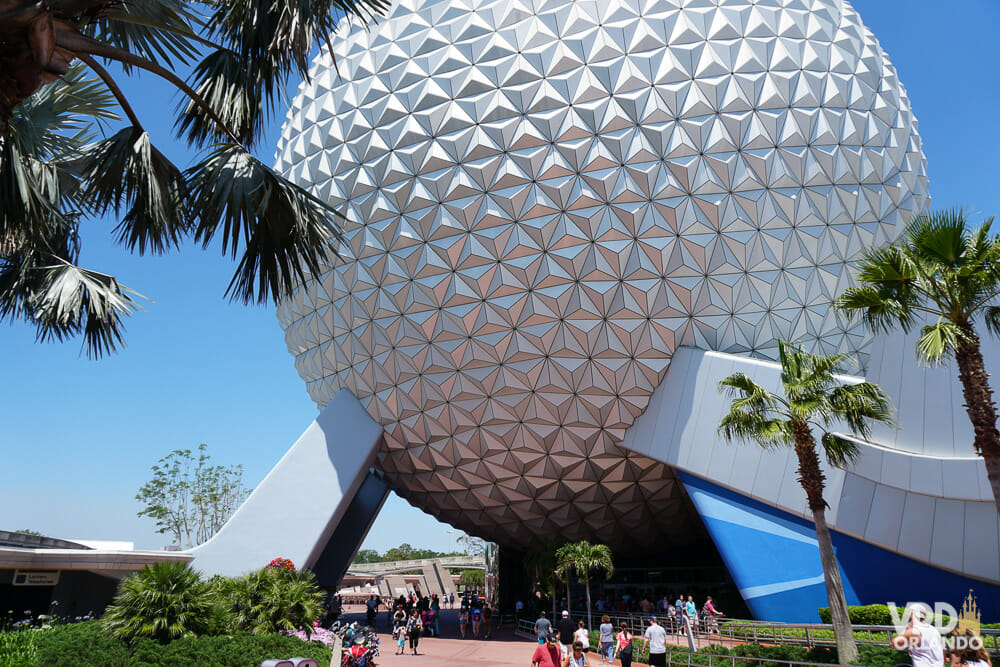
x=886 y=515
x=949 y=533
x=917 y=529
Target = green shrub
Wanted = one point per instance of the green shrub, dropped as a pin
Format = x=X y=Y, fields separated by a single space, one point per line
x=162 y=601
x=881 y=656
x=873 y=614
x=18 y=648
x=80 y=645
x=87 y=645
x=240 y=650
x=272 y=600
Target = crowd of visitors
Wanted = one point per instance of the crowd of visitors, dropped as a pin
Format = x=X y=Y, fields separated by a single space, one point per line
x=573 y=639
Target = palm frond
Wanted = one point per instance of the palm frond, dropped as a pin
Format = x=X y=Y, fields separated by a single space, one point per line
x=939 y=238
x=938 y=341
x=861 y=404
x=241 y=92
x=282 y=229
x=839 y=451
x=881 y=311
x=768 y=432
x=746 y=393
x=157 y=30
x=991 y=317
x=58 y=120
x=127 y=170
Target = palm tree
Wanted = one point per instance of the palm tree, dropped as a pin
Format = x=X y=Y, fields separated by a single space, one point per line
x=56 y=169
x=813 y=397
x=162 y=601
x=273 y=600
x=947 y=273
x=583 y=557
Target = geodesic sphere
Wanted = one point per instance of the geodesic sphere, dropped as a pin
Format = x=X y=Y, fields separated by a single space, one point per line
x=545 y=198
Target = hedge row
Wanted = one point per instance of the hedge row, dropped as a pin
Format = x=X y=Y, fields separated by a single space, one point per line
x=879 y=614
x=85 y=645
x=872 y=656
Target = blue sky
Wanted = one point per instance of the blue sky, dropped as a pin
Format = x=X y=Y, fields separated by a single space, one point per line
x=79 y=436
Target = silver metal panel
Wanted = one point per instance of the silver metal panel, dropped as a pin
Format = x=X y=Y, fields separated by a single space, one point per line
x=886 y=515
x=544 y=199
x=948 y=542
x=855 y=504
x=980 y=533
x=917 y=529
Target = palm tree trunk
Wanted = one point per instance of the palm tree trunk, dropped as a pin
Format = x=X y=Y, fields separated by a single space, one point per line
x=589 y=607
x=813 y=481
x=569 y=602
x=980 y=408
x=554 y=580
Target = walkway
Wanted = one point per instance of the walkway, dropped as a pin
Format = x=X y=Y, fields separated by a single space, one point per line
x=503 y=649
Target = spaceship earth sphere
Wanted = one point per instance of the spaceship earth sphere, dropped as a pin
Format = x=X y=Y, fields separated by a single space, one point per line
x=543 y=199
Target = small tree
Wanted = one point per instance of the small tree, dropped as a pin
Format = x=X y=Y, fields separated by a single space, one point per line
x=163 y=601
x=472 y=546
x=272 y=600
x=473 y=579
x=813 y=398
x=583 y=557
x=189 y=498
x=946 y=273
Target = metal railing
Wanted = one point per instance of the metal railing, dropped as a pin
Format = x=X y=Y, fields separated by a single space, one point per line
x=731 y=631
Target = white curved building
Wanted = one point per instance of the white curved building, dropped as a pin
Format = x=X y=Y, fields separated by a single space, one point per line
x=546 y=201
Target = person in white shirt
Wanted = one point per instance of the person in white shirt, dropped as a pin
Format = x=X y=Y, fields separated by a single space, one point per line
x=582 y=636
x=656 y=638
x=923 y=641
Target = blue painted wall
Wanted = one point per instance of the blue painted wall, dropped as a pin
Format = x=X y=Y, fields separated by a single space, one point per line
x=774 y=561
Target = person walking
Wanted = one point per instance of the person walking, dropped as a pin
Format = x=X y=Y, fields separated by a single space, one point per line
x=577 y=656
x=923 y=641
x=607 y=640
x=477 y=620
x=582 y=635
x=547 y=652
x=656 y=640
x=692 y=613
x=709 y=613
x=487 y=620
x=400 y=632
x=463 y=621
x=679 y=607
x=566 y=628
x=413 y=629
x=972 y=654
x=623 y=645
x=542 y=627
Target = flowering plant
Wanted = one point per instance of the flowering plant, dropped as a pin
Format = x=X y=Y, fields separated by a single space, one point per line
x=316 y=635
x=281 y=564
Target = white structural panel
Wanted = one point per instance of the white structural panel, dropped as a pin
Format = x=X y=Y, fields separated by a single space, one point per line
x=894 y=499
x=293 y=512
x=545 y=198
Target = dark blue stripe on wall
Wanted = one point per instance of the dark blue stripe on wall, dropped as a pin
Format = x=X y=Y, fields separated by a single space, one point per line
x=774 y=561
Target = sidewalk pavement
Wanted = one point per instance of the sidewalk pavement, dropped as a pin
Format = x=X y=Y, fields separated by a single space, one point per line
x=502 y=649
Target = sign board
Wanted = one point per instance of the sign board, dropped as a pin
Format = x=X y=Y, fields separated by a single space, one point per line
x=36 y=577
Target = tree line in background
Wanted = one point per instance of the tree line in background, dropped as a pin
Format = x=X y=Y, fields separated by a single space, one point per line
x=471 y=546
x=402 y=552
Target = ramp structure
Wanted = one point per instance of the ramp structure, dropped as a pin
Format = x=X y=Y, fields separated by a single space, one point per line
x=297 y=510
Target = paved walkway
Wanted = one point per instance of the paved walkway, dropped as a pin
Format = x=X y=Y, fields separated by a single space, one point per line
x=450 y=650
x=502 y=649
